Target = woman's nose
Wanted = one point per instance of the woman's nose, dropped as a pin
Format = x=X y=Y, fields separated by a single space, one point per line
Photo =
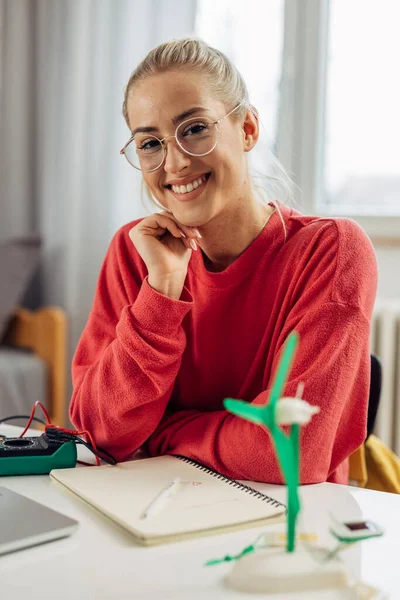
x=176 y=159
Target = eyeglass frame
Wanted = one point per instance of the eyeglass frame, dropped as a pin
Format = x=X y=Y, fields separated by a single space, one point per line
x=164 y=146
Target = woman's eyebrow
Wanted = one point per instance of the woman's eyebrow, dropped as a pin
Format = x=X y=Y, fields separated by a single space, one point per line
x=189 y=113
x=175 y=120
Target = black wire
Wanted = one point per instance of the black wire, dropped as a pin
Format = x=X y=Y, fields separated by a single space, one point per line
x=107 y=454
x=110 y=461
x=62 y=436
x=23 y=417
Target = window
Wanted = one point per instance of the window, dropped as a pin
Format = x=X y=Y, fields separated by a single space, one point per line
x=362 y=123
x=251 y=35
x=323 y=74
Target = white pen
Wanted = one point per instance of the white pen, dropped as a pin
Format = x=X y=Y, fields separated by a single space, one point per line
x=156 y=505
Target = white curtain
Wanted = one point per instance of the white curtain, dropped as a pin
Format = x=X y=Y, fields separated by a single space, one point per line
x=17 y=161
x=63 y=68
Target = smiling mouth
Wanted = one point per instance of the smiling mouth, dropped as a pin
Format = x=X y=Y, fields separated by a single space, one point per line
x=193 y=185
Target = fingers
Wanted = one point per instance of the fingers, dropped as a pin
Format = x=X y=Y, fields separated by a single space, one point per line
x=157 y=224
x=191 y=234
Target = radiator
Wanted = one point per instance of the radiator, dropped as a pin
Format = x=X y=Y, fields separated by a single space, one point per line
x=385 y=343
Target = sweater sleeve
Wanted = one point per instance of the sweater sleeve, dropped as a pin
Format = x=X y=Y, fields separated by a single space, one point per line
x=128 y=356
x=333 y=362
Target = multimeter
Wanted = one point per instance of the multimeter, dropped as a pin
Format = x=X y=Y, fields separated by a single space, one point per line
x=35 y=455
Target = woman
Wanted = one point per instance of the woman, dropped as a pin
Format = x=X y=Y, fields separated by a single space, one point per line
x=194 y=303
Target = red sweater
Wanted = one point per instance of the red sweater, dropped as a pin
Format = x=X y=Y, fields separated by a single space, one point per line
x=152 y=372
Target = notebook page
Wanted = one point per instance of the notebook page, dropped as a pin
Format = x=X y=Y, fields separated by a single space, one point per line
x=200 y=501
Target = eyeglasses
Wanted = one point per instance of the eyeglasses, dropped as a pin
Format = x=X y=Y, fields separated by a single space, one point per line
x=196 y=136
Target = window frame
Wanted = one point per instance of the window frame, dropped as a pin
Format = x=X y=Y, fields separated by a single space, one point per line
x=301 y=119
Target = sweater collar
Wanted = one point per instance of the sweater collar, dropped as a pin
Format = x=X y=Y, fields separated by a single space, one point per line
x=268 y=241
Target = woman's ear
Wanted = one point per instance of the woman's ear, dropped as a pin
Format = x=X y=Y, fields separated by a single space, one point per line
x=251 y=129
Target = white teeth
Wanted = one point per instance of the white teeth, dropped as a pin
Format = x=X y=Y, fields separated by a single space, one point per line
x=184 y=189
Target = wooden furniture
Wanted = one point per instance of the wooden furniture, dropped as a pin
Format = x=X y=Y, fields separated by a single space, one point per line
x=45 y=333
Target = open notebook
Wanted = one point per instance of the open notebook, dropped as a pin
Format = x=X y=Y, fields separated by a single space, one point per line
x=204 y=502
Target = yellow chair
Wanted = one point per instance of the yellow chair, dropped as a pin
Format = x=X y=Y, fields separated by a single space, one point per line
x=45 y=333
x=374 y=465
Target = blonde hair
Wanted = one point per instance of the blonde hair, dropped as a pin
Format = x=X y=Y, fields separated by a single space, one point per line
x=224 y=81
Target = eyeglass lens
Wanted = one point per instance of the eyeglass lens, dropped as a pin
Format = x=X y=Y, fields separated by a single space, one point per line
x=197 y=136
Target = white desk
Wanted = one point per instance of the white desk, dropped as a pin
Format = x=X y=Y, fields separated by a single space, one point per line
x=101 y=561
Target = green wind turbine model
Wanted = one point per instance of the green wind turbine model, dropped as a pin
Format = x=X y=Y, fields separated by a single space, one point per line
x=289 y=571
x=293 y=411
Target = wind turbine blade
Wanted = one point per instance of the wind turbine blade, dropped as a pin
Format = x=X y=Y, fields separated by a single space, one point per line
x=283 y=368
x=245 y=410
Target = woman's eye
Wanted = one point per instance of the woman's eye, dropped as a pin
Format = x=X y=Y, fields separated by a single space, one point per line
x=149 y=145
x=195 y=128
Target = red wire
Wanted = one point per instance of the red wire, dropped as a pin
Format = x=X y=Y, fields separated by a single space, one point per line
x=46 y=414
x=70 y=431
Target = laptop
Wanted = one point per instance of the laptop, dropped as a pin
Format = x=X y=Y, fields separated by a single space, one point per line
x=26 y=523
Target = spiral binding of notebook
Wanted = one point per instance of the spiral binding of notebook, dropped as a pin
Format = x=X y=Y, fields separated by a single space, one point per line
x=233 y=482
